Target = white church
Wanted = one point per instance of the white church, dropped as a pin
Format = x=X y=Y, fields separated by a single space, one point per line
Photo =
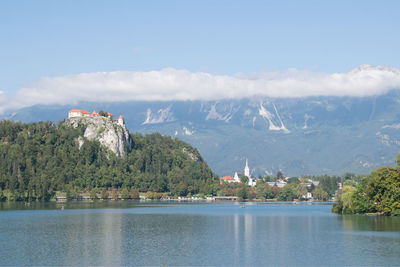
x=236 y=178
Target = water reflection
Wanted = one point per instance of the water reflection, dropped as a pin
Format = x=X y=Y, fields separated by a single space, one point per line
x=195 y=234
x=111 y=238
x=370 y=223
x=375 y=236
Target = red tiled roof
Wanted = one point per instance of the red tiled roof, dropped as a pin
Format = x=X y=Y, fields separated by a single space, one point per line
x=79 y=110
x=120 y=117
x=226 y=178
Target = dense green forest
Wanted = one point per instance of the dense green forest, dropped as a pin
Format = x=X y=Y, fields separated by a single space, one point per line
x=38 y=159
x=377 y=193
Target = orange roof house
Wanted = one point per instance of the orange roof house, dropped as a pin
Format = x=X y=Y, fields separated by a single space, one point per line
x=228 y=179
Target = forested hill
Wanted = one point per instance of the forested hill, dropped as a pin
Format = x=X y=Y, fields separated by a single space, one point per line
x=38 y=159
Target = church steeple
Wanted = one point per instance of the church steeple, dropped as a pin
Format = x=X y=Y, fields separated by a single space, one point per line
x=246 y=169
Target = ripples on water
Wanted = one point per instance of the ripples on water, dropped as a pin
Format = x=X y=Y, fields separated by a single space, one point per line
x=216 y=234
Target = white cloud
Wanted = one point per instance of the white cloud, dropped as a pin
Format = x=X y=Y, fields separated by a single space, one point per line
x=172 y=84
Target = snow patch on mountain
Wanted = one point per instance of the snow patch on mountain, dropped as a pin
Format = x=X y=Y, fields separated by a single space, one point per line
x=162 y=115
x=267 y=115
x=186 y=131
x=225 y=114
x=393 y=126
x=263 y=112
x=366 y=164
x=386 y=140
x=283 y=128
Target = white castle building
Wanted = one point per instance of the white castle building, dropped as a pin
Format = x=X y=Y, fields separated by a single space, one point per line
x=83 y=113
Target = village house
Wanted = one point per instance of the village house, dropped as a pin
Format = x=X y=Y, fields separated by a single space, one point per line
x=279 y=183
x=227 y=179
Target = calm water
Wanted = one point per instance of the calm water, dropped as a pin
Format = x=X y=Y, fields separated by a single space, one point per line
x=132 y=233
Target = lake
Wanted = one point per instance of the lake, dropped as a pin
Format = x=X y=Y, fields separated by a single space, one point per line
x=196 y=234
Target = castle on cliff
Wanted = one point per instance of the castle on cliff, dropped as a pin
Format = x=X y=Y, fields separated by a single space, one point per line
x=73 y=113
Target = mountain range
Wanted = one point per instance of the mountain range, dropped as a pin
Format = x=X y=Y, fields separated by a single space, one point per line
x=310 y=135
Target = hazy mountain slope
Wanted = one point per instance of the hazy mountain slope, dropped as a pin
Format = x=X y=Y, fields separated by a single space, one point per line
x=304 y=135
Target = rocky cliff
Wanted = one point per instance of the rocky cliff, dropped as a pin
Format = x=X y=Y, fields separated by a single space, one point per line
x=111 y=135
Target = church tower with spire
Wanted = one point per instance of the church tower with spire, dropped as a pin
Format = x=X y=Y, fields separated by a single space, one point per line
x=246 y=169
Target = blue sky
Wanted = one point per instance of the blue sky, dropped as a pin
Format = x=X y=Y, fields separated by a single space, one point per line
x=57 y=38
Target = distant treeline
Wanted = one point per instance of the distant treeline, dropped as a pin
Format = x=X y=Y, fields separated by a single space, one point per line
x=38 y=159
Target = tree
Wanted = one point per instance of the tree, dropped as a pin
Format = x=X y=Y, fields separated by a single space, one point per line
x=134 y=193
x=288 y=193
x=347 y=198
x=383 y=190
x=275 y=191
x=149 y=195
x=93 y=194
x=361 y=203
x=264 y=191
x=279 y=175
x=114 y=194
x=124 y=193
x=244 y=179
x=397 y=159
x=104 y=193
x=377 y=193
x=243 y=192
x=328 y=183
x=269 y=194
x=261 y=191
x=320 y=194
x=301 y=191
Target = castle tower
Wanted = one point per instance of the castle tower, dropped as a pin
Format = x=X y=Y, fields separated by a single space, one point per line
x=247 y=170
x=121 y=120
